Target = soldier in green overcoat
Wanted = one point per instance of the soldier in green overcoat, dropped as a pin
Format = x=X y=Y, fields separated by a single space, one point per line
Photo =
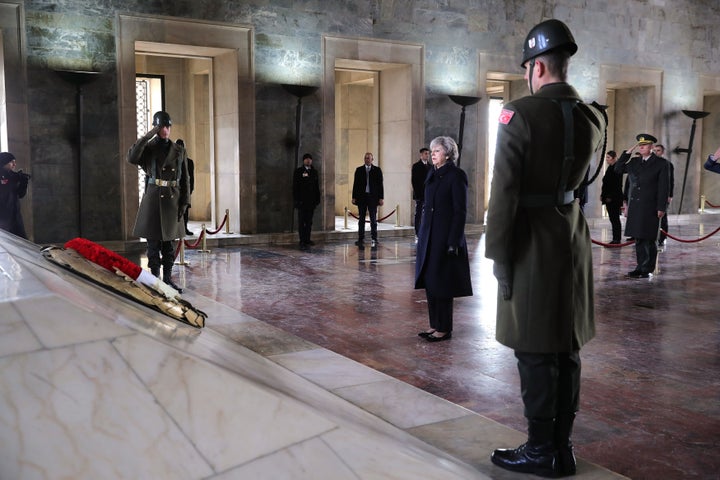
x=166 y=197
x=540 y=243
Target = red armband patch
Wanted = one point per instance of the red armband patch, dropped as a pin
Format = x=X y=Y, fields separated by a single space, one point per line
x=505 y=116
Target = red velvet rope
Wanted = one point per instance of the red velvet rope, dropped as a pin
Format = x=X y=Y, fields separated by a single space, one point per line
x=190 y=245
x=225 y=218
x=711 y=205
x=379 y=219
x=618 y=245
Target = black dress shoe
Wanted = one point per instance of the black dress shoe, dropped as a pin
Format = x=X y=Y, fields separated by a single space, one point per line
x=638 y=274
x=538 y=459
x=433 y=338
x=189 y=233
x=425 y=334
x=360 y=243
x=615 y=242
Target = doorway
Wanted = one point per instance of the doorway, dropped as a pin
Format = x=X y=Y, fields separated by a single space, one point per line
x=214 y=61
x=373 y=101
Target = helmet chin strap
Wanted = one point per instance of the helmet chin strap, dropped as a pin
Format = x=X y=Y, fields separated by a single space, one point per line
x=530 y=75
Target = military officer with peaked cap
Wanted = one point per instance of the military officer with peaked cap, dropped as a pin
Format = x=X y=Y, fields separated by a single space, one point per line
x=647 y=200
x=540 y=243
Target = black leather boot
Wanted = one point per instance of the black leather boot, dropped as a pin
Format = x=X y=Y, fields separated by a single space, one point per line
x=566 y=464
x=167 y=278
x=536 y=456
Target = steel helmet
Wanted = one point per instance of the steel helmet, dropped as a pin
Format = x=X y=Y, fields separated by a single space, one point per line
x=161 y=119
x=546 y=36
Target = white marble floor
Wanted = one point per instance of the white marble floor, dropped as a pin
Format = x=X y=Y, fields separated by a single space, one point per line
x=94 y=386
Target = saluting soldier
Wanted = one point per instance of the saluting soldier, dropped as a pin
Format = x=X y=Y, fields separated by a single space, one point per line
x=166 y=197
x=647 y=200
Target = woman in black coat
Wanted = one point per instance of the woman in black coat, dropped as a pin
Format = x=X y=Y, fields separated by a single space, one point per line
x=442 y=266
x=13 y=187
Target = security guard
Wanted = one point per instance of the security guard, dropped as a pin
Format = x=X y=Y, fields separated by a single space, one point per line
x=648 y=195
x=166 y=197
x=540 y=243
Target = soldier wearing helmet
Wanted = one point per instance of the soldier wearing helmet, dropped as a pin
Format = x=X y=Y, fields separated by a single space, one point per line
x=540 y=243
x=166 y=197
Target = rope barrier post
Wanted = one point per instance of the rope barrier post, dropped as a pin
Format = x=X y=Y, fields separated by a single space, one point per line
x=181 y=254
x=702 y=203
x=397 y=215
x=227 y=222
x=345 y=227
x=203 y=247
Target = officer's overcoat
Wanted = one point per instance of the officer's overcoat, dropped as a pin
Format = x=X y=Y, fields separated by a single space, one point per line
x=443 y=226
x=160 y=214
x=547 y=247
x=648 y=194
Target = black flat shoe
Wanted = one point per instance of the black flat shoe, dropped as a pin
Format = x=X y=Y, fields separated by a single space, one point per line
x=425 y=334
x=433 y=338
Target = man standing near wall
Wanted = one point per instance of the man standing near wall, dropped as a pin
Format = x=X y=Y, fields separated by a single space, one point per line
x=659 y=151
x=419 y=173
x=306 y=196
x=540 y=243
x=367 y=194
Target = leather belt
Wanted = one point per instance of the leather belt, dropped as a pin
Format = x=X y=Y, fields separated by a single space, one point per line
x=545 y=200
x=162 y=183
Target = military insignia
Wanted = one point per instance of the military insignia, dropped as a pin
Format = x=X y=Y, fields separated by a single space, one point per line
x=531 y=42
x=505 y=116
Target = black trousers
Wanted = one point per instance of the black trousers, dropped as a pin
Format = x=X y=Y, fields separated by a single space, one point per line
x=646 y=254
x=305 y=220
x=418 y=214
x=440 y=312
x=664 y=227
x=367 y=205
x=550 y=383
x=156 y=249
x=613 y=211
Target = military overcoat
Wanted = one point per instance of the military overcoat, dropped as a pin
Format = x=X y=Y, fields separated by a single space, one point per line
x=160 y=216
x=546 y=247
x=443 y=226
x=649 y=191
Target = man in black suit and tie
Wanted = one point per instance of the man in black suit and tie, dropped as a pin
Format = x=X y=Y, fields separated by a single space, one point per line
x=367 y=194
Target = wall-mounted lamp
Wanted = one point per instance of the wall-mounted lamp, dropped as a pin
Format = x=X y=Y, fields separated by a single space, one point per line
x=463 y=101
x=695 y=115
x=79 y=79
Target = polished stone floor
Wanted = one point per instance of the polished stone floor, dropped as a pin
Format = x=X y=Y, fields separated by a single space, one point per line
x=278 y=386
x=651 y=377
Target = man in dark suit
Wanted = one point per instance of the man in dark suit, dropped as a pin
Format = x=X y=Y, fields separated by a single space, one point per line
x=647 y=201
x=367 y=194
x=306 y=196
x=419 y=173
x=611 y=195
x=660 y=152
x=191 y=173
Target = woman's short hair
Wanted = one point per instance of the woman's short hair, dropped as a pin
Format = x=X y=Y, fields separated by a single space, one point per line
x=449 y=145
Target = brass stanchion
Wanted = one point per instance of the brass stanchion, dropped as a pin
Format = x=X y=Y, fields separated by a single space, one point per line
x=203 y=243
x=345 y=227
x=227 y=222
x=181 y=253
x=702 y=203
x=397 y=215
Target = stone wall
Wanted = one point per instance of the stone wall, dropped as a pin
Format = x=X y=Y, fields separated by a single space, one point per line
x=679 y=37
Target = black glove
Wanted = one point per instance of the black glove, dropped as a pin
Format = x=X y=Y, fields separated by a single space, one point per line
x=504 y=275
x=181 y=212
x=452 y=251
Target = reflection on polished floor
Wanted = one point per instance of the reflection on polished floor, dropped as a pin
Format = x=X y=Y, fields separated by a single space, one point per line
x=278 y=386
